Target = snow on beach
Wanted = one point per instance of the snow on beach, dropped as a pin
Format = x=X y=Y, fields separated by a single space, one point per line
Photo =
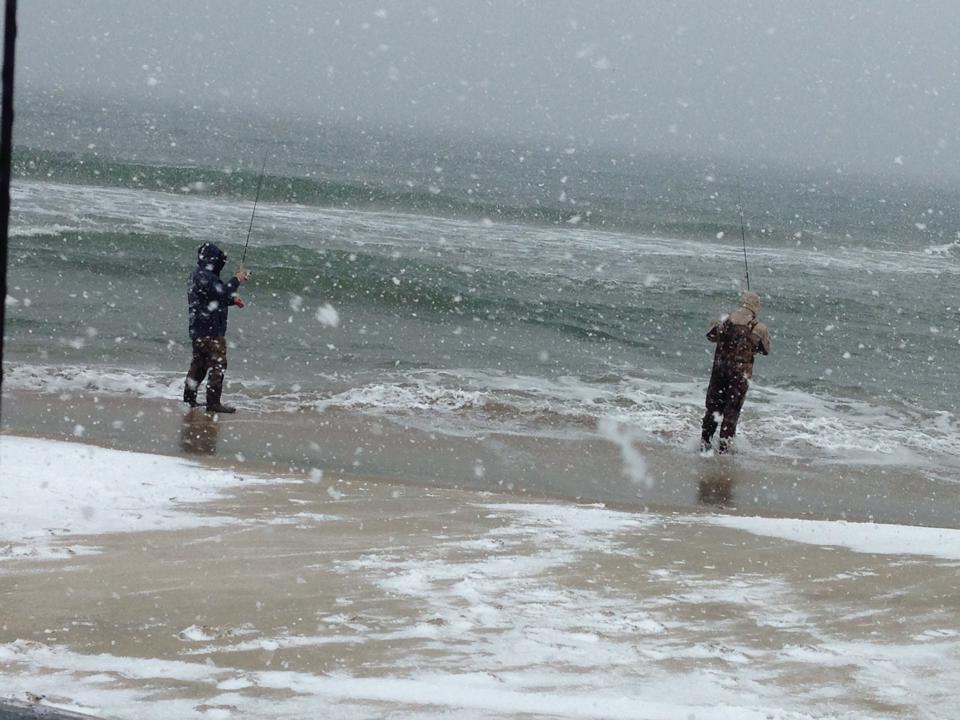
x=52 y=490
x=875 y=538
x=424 y=604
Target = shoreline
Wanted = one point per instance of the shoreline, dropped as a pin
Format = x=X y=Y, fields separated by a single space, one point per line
x=390 y=448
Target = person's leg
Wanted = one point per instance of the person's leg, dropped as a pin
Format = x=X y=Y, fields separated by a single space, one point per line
x=218 y=367
x=736 y=394
x=714 y=407
x=196 y=373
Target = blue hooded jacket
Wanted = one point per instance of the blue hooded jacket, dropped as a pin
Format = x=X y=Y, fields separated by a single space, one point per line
x=208 y=297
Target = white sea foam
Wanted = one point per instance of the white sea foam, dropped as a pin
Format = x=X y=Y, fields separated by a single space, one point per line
x=797 y=421
x=44 y=206
x=40 y=230
x=150 y=384
x=404 y=397
x=784 y=423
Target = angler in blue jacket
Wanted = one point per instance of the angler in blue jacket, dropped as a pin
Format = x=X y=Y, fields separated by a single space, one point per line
x=208 y=299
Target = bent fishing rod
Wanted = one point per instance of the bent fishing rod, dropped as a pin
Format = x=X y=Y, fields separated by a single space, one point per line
x=253 y=214
x=743 y=235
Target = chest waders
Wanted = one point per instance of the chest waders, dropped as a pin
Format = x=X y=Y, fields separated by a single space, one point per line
x=729 y=381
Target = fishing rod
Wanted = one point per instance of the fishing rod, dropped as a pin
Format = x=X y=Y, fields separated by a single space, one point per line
x=253 y=214
x=743 y=235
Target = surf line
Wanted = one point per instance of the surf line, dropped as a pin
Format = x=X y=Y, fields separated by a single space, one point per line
x=743 y=235
x=263 y=166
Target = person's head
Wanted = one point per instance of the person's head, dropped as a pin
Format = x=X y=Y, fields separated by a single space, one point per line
x=750 y=301
x=210 y=257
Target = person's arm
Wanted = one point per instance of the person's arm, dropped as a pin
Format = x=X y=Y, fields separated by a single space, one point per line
x=230 y=288
x=763 y=339
x=212 y=293
x=233 y=286
x=713 y=334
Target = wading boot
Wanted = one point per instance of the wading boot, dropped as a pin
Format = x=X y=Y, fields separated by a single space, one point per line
x=706 y=442
x=190 y=397
x=214 y=405
x=220 y=408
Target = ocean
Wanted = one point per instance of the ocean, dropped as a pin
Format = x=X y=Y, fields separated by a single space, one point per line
x=464 y=478
x=481 y=287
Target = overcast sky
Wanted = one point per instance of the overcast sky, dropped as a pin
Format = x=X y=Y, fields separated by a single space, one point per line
x=858 y=84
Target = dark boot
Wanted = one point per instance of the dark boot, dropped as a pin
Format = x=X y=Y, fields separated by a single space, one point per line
x=220 y=408
x=709 y=427
x=213 y=402
x=190 y=395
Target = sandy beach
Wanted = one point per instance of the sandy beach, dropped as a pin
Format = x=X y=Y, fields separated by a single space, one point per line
x=298 y=592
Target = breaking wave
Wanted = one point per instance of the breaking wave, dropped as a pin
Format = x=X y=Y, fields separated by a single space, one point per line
x=95 y=170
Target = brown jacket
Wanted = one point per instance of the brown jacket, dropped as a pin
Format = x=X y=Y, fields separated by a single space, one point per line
x=739 y=337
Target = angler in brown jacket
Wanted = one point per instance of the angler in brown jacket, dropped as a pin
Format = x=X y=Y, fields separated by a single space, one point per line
x=739 y=337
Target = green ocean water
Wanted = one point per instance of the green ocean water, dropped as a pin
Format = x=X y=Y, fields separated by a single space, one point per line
x=481 y=281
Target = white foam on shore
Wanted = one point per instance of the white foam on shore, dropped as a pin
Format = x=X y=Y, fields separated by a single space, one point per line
x=792 y=424
x=75 y=378
x=52 y=490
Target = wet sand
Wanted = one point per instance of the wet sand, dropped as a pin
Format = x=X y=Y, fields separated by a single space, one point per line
x=395 y=600
x=397 y=583
x=392 y=448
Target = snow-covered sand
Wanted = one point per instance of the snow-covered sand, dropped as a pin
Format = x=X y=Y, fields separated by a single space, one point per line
x=53 y=490
x=327 y=597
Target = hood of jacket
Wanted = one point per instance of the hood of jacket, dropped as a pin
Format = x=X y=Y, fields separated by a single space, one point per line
x=748 y=309
x=210 y=257
x=750 y=301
